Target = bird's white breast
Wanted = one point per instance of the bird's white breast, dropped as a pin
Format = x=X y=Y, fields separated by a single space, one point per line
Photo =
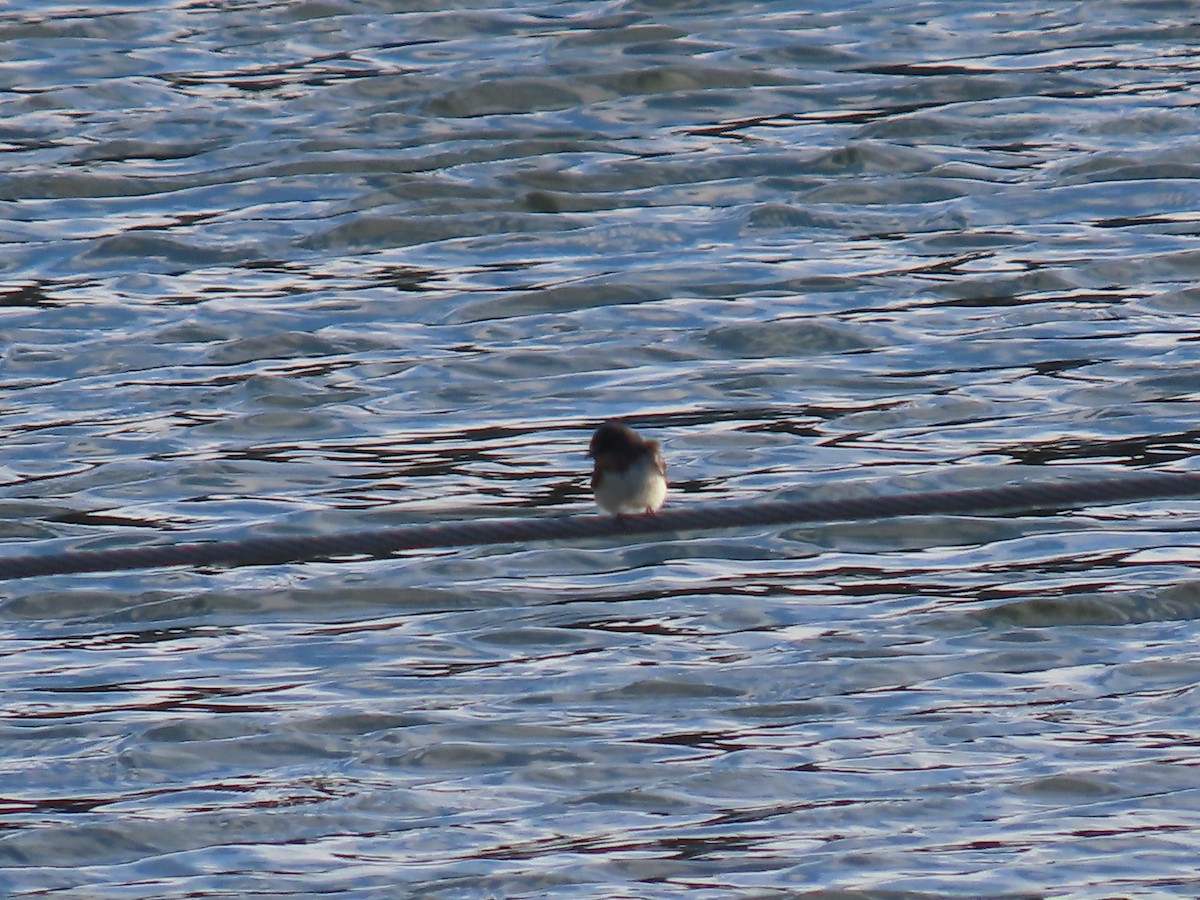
x=640 y=488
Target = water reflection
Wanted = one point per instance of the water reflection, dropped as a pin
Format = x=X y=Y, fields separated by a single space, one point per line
x=293 y=269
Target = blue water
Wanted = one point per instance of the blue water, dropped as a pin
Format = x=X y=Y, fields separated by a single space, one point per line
x=281 y=268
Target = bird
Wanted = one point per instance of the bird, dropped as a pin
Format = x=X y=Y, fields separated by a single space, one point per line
x=629 y=476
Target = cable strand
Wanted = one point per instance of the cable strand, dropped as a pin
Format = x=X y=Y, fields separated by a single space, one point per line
x=382 y=542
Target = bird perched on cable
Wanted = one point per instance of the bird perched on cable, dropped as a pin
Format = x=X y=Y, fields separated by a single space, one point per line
x=630 y=475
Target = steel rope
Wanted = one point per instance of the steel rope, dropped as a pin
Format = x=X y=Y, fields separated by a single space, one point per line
x=276 y=550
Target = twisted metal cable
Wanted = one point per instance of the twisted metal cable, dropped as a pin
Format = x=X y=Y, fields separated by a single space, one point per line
x=276 y=550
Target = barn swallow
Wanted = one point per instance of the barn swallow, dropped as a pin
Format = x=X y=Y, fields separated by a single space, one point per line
x=630 y=475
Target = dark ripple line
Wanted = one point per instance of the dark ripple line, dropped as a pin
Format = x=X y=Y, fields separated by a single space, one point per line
x=276 y=550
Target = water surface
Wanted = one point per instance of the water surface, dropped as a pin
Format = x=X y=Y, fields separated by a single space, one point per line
x=276 y=268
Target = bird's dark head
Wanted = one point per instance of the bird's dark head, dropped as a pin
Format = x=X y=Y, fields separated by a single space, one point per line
x=614 y=438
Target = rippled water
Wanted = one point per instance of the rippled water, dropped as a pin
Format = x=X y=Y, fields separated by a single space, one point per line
x=297 y=267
